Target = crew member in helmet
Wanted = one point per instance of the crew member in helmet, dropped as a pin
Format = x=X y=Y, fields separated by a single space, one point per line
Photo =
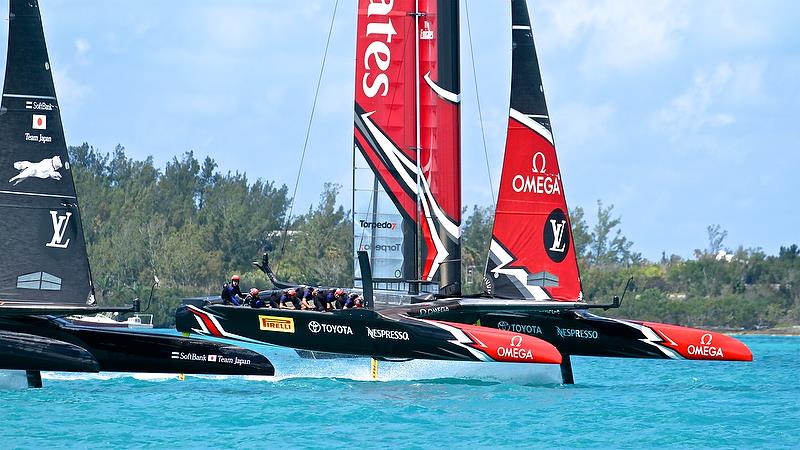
x=340 y=298
x=254 y=300
x=352 y=301
x=232 y=293
x=289 y=300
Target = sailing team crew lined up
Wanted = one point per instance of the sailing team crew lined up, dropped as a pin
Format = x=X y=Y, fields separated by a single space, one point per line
x=302 y=298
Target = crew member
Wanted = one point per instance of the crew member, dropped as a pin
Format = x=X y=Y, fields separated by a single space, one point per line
x=290 y=297
x=274 y=299
x=306 y=296
x=352 y=301
x=254 y=300
x=339 y=298
x=330 y=299
x=231 y=293
x=320 y=303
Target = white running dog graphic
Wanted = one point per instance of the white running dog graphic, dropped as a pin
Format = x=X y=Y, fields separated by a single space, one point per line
x=46 y=168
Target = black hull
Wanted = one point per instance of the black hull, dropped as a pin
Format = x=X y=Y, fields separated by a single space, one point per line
x=581 y=333
x=574 y=330
x=47 y=343
x=364 y=332
x=568 y=327
x=21 y=351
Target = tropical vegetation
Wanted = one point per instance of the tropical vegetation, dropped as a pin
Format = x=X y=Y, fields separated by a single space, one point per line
x=193 y=227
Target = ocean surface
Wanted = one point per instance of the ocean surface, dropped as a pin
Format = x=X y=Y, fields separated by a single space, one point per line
x=615 y=403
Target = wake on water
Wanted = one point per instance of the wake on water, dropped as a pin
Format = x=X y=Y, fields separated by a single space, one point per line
x=354 y=370
x=359 y=369
x=289 y=365
x=13 y=379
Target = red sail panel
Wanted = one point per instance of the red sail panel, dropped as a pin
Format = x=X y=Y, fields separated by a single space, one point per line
x=531 y=254
x=532 y=240
x=406 y=215
x=385 y=84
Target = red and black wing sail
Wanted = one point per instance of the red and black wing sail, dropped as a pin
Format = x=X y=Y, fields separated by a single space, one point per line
x=407 y=187
x=531 y=253
x=44 y=257
x=440 y=144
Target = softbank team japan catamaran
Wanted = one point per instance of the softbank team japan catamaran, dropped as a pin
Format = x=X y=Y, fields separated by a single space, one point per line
x=44 y=271
x=407 y=212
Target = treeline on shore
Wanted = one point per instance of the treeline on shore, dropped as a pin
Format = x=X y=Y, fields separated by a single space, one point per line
x=193 y=227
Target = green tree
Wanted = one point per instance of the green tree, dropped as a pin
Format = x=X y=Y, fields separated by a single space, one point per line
x=475 y=235
x=608 y=245
x=320 y=244
x=191 y=226
x=581 y=236
x=716 y=236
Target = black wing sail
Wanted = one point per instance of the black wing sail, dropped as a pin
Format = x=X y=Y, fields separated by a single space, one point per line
x=44 y=260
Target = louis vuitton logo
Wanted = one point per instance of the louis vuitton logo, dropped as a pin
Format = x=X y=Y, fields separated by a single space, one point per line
x=59 y=230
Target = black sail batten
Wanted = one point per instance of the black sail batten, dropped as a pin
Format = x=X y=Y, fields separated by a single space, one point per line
x=449 y=79
x=44 y=253
x=527 y=93
x=448 y=49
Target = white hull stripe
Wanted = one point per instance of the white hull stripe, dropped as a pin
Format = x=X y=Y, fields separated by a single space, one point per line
x=39 y=97
x=521 y=275
x=461 y=339
x=516 y=304
x=532 y=124
x=37 y=195
x=409 y=174
x=199 y=312
x=440 y=91
x=651 y=337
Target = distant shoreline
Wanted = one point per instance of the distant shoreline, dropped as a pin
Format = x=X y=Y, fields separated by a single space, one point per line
x=777 y=331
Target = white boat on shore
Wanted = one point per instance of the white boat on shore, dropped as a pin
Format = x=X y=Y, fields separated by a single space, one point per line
x=109 y=320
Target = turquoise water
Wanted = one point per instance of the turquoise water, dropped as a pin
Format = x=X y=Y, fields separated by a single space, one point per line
x=615 y=403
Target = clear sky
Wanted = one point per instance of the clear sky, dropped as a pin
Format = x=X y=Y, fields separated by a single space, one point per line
x=680 y=113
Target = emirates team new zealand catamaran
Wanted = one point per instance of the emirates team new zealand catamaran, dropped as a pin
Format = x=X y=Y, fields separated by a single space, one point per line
x=406 y=217
x=44 y=271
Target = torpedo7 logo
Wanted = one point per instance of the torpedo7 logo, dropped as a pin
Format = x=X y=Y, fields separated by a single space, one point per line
x=373 y=225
